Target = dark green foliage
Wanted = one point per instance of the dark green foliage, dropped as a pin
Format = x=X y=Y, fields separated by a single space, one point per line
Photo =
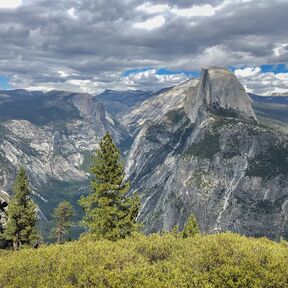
x=62 y=215
x=175 y=116
x=224 y=112
x=205 y=148
x=22 y=215
x=191 y=227
x=109 y=213
x=270 y=162
x=56 y=191
x=264 y=206
x=233 y=146
x=221 y=261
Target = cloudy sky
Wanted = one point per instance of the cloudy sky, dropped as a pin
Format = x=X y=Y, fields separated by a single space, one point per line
x=90 y=45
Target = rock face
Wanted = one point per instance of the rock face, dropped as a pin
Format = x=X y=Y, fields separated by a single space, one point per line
x=219 y=90
x=215 y=161
x=155 y=107
x=53 y=136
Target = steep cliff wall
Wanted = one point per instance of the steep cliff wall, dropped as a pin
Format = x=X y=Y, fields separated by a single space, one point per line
x=214 y=161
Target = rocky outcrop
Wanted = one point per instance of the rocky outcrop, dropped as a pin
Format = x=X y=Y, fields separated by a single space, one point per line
x=219 y=91
x=155 y=107
x=217 y=163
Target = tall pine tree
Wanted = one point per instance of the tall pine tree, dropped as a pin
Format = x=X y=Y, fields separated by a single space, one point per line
x=22 y=214
x=62 y=215
x=191 y=227
x=109 y=213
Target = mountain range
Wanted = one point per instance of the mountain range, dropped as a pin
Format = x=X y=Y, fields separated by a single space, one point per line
x=204 y=147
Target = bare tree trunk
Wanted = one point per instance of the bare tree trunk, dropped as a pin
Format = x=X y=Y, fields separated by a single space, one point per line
x=59 y=234
x=16 y=245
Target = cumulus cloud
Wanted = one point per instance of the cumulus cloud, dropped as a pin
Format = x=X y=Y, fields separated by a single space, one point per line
x=195 y=11
x=151 y=23
x=151 y=8
x=247 y=72
x=10 y=4
x=262 y=83
x=61 y=43
x=143 y=80
x=72 y=13
x=140 y=80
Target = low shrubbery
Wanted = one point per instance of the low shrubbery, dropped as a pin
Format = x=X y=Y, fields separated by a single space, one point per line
x=222 y=260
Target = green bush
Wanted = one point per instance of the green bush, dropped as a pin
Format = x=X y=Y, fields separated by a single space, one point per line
x=270 y=162
x=206 y=148
x=222 y=260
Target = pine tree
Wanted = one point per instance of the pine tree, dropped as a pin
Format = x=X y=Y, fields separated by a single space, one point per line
x=109 y=213
x=62 y=215
x=190 y=228
x=22 y=214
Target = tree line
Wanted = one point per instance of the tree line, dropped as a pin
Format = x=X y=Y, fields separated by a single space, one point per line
x=108 y=212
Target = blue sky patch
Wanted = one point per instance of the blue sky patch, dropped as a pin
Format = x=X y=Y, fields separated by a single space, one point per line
x=164 y=71
x=190 y=73
x=4 y=83
x=138 y=70
x=277 y=68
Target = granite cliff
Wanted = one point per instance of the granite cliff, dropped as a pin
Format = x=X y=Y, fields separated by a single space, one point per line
x=207 y=154
x=53 y=136
x=203 y=147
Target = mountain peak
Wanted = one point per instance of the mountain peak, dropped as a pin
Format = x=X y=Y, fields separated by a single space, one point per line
x=219 y=91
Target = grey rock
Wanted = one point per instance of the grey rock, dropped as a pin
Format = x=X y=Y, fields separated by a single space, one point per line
x=219 y=89
x=52 y=135
x=155 y=107
x=226 y=168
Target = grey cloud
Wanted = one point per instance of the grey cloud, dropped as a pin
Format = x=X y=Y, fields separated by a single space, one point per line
x=187 y=3
x=40 y=39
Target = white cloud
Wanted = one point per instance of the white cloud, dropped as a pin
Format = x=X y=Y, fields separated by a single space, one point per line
x=150 y=79
x=217 y=55
x=72 y=13
x=63 y=74
x=10 y=3
x=150 y=8
x=151 y=23
x=281 y=50
x=146 y=80
x=262 y=83
x=247 y=72
x=194 y=11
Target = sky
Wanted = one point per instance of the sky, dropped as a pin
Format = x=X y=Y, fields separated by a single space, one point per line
x=92 y=45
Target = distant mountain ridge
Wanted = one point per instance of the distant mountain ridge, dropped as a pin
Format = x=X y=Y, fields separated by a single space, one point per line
x=280 y=94
x=52 y=135
x=271 y=107
x=203 y=147
x=120 y=102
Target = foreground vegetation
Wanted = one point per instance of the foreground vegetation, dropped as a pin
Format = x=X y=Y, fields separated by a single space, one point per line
x=114 y=254
x=108 y=212
x=222 y=260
